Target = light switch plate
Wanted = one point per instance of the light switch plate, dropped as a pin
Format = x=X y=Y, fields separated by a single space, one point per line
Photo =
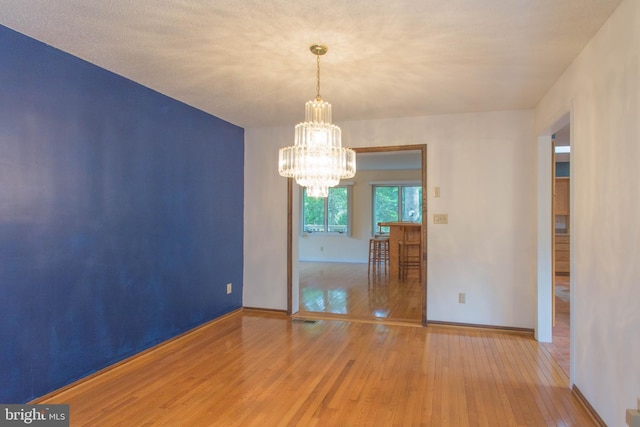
x=440 y=218
x=436 y=191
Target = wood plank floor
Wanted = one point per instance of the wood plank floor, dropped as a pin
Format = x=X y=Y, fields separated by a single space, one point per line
x=262 y=369
x=347 y=290
x=560 y=347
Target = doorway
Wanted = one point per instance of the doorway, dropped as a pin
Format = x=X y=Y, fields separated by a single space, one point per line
x=561 y=306
x=554 y=237
x=374 y=293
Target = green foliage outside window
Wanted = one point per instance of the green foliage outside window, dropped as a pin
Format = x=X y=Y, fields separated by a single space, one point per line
x=331 y=214
x=392 y=202
x=412 y=204
x=385 y=205
x=313 y=213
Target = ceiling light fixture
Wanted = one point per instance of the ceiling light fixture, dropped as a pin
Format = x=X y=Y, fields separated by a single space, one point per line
x=317 y=160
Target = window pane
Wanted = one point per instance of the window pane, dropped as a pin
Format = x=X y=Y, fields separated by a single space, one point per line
x=337 y=214
x=313 y=214
x=412 y=204
x=385 y=205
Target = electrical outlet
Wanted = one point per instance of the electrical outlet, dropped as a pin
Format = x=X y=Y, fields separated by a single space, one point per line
x=440 y=218
x=228 y=288
x=462 y=298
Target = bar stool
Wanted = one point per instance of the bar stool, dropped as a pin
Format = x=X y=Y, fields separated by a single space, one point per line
x=378 y=253
x=409 y=255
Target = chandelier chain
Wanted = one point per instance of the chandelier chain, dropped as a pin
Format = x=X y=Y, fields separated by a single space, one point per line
x=318 y=97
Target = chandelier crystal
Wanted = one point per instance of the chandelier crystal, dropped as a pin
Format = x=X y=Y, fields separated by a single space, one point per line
x=317 y=160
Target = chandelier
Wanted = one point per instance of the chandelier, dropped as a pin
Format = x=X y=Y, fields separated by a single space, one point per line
x=317 y=160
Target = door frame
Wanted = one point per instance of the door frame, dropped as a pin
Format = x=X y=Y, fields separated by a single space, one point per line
x=290 y=226
x=545 y=233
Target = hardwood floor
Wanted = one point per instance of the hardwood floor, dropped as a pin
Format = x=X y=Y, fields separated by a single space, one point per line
x=561 y=335
x=262 y=369
x=347 y=290
x=340 y=291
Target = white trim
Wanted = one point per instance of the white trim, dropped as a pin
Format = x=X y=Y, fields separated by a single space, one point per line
x=405 y=183
x=306 y=234
x=340 y=260
x=572 y=267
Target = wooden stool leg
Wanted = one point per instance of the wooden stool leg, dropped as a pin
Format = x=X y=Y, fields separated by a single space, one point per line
x=373 y=255
x=378 y=254
x=370 y=255
x=384 y=244
x=400 y=260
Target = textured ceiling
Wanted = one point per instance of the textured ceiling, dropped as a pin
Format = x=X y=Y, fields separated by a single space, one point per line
x=248 y=61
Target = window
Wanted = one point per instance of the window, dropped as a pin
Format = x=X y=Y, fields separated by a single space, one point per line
x=396 y=203
x=330 y=215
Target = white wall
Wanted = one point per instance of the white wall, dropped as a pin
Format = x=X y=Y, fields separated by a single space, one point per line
x=545 y=275
x=604 y=85
x=483 y=164
x=354 y=248
x=265 y=220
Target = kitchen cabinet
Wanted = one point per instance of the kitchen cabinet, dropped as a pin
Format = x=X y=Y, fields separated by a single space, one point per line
x=561 y=221
x=562 y=253
x=562 y=196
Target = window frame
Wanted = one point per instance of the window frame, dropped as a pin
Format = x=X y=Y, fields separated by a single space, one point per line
x=400 y=186
x=349 y=207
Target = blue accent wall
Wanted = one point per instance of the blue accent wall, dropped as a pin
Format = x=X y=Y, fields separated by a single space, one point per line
x=121 y=217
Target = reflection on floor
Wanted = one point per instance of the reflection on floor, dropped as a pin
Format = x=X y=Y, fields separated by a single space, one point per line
x=559 y=348
x=347 y=290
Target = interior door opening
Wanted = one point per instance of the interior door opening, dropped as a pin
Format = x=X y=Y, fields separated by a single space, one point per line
x=555 y=216
x=561 y=249
x=333 y=292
